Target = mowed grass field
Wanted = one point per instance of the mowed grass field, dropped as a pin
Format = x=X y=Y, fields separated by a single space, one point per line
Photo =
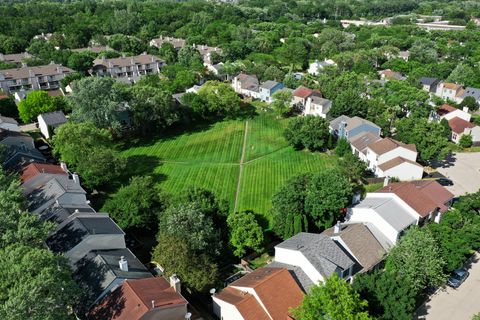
x=210 y=158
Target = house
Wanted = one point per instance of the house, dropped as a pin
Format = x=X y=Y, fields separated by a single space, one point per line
x=445 y=26
x=47 y=122
x=429 y=84
x=388 y=215
x=470 y=92
x=427 y=197
x=101 y=271
x=461 y=127
x=264 y=294
x=127 y=67
x=360 y=143
x=391 y=75
x=317 y=106
x=268 y=88
x=348 y=128
x=33 y=78
x=16 y=58
x=360 y=242
x=392 y=158
x=246 y=85
x=317 y=67
x=58 y=213
x=34 y=169
x=177 y=43
x=448 y=90
x=83 y=233
x=206 y=53
x=9 y=124
x=301 y=94
x=20 y=156
x=45 y=189
x=136 y=299
x=93 y=49
x=216 y=69
x=318 y=255
x=14 y=138
x=448 y=112
x=404 y=55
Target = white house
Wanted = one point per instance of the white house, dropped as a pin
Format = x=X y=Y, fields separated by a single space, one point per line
x=246 y=85
x=388 y=157
x=386 y=212
x=47 y=122
x=448 y=112
x=461 y=127
x=360 y=143
x=448 y=91
x=264 y=294
x=317 y=67
x=9 y=124
x=317 y=106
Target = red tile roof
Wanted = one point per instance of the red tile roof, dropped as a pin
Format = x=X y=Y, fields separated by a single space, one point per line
x=444 y=109
x=424 y=196
x=458 y=125
x=302 y=92
x=276 y=289
x=136 y=297
x=36 y=168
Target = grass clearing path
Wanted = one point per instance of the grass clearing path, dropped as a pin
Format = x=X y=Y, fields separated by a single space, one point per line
x=242 y=160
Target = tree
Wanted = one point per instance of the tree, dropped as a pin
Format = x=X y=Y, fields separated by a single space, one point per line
x=81 y=61
x=429 y=137
x=167 y=51
x=35 y=103
x=8 y=108
x=343 y=147
x=288 y=207
x=352 y=167
x=219 y=100
x=309 y=132
x=197 y=271
x=418 y=260
x=245 y=232
x=470 y=103
x=281 y=102
x=349 y=103
x=424 y=51
x=188 y=56
x=466 y=141
x=98 y=100
x=35 y=284
x=89 y=151
x=333 y=300
x=328 y=192
x=152 y=108
x=462 y=74
x=388 y=296
x=136 y=204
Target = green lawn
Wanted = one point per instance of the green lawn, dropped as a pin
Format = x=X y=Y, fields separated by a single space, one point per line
x=210 y=158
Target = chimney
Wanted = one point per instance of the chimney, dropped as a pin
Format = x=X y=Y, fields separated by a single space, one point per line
x=465 y=109
x=188 y=316
x=175 y=283
x=123 y=264
x=153 y=304
x=76 y=178
x=337 y=228
x=386 y=181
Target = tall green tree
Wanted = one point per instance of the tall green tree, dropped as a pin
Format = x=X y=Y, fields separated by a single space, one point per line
x=308 y=132
x=333 y=300
x=245 y=232
x=35 y=103
x=281 y=102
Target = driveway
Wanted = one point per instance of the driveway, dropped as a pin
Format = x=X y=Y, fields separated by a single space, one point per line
x=455 y=304
x=464 y=170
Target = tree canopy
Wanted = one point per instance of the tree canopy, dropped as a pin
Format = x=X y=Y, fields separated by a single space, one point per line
x=308 y=132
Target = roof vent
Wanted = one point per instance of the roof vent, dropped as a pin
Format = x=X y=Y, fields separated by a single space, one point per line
x=123 y=264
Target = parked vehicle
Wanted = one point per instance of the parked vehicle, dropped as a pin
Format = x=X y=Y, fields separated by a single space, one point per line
x=457 y=277
x=445 y=182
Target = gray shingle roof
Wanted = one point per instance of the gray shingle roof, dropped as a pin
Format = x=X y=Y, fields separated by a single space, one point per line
x=20 y=156
x=269 y=85
x=321 y=251
x=428 y=81
x=75 y=231
x=471 y=92
x=320 y=101
x=336 y=122
x=99 y=268
x=390 y=210
x=54 y=119
x=8 y=120
x=57 y=213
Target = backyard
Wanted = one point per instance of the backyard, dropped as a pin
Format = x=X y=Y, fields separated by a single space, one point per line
x=242 y=161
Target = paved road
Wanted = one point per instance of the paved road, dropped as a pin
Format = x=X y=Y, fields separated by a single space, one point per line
x=464 y=170
x=455 y=304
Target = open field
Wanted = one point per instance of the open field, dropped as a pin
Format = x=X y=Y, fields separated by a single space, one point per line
x=210 y=158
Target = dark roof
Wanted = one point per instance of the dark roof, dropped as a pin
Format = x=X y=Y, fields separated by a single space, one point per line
x=471 y=92
x=58 y=213
x=54 y=118
x=9 y=120
x=428 y=81
x=74 y=232
x=99 y=268
x=269 y=85
x=20 y=156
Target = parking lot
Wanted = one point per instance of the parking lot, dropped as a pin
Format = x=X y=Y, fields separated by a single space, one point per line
x=464 y=170
x=458 y=304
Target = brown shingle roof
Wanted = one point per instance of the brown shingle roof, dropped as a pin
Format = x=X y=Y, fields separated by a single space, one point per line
x=135 y=297
x=362 y=243
x=363 y=140
x=36 y=168
x=388 y=144
x=452 y=86
x=424 y=196
x=39 y=71
x=276 y=289
x=127 y=61
x=458 y=125
x=396 y=162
